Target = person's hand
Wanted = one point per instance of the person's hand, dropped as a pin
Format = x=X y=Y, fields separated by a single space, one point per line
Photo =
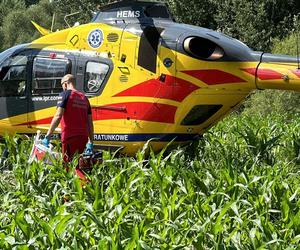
x=89 y=148
x=46 y=142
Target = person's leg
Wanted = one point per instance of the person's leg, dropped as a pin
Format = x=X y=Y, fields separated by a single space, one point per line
x=72 y=146
x=65 y=151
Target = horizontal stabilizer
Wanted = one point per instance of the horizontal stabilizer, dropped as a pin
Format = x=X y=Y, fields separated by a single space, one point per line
x=40 y=29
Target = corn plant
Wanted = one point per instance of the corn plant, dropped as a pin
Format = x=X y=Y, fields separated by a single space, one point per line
x=238 y=190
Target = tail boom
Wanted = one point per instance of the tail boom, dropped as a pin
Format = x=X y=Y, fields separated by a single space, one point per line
x=276 y=72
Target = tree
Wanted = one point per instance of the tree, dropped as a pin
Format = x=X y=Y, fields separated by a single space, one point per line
x=17 y=27
x=31 y=2
x=86 y=8
x=6 y=6
x=255 y=22
x=199 y=13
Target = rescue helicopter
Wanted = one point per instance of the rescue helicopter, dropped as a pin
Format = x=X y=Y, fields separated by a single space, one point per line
x=146 y=76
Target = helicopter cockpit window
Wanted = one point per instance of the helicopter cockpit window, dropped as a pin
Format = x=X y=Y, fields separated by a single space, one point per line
x=47 y=74
x=157 y=11
x=94 y=76
x=13 y=76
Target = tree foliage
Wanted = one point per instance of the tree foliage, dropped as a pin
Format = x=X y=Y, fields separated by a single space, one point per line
x=200 y=13
x=6 y=6
x=265 y=102
x=86 y=9
x=16 y=17
x=254 y=22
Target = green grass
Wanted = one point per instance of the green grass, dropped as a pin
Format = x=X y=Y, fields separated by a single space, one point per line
x=238 y=189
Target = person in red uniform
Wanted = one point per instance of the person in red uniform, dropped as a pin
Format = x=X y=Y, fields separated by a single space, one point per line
x=75 y=116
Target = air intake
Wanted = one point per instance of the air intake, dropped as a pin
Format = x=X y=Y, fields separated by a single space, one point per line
x=202 y=48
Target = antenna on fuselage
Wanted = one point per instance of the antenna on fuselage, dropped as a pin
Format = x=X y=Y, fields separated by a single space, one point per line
x=53 y=20
x=72 y=14
x=53 y=17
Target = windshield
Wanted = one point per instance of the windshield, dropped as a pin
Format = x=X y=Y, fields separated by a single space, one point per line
x=13 y=64
x=7 y=53
x=135 y=10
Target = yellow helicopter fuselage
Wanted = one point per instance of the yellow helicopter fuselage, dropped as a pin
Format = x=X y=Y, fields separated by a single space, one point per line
x=157 y=81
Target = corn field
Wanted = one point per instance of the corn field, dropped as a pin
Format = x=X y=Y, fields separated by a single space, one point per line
x=237 y=188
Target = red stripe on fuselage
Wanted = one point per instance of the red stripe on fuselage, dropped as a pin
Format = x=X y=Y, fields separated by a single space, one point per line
x=37 y=122
x=153 y=112
x=146 y=111
x=296 y=72
x=264 y=74
x=214 y=76
x=171 y=88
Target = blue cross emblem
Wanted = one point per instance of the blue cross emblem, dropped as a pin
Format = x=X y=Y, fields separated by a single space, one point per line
x=95 y=38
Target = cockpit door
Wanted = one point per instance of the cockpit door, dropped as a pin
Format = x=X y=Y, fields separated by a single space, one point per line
x=14 y=79
x=92 y=74
x=46 y=71
x=128 y=48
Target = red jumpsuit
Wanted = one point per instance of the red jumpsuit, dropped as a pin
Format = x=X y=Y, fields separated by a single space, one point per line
x=74 y=123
